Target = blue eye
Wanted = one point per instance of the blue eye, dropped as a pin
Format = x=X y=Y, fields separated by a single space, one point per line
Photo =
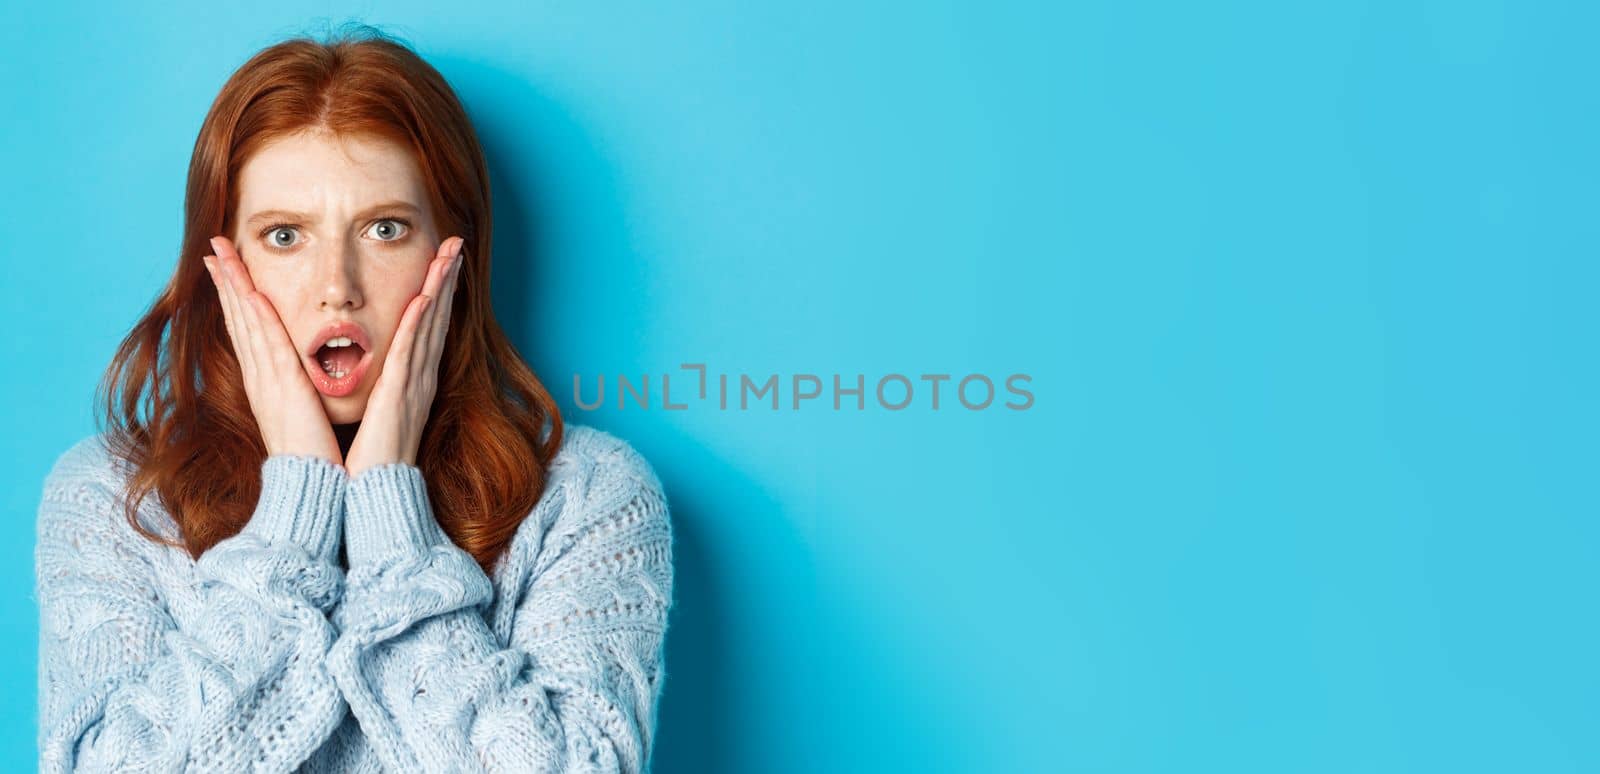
x=388 y=230
x=272 y=232
x=391 y=229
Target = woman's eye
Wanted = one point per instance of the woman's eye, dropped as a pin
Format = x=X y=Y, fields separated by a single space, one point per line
x=275 y=236
x=389 y=229
x=386 y=230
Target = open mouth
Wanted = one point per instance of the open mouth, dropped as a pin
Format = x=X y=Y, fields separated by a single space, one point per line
x=338 y=364
x=338 y=358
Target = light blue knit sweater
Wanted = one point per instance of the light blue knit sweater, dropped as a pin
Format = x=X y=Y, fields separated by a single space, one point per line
x=249 y=658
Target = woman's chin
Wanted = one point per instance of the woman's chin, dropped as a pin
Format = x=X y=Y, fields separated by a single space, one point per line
x=345 y=410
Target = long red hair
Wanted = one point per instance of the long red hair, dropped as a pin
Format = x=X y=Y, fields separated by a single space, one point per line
x=173 y=398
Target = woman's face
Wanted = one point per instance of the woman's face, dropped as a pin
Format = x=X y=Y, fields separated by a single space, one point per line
x=332 y=230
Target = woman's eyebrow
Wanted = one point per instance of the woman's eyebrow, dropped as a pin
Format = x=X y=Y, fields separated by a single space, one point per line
x=301 y=217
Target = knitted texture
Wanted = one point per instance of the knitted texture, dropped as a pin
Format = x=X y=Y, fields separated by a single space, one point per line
x=268 y=654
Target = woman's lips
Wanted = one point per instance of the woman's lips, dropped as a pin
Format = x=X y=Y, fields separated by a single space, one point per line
x=343 y=386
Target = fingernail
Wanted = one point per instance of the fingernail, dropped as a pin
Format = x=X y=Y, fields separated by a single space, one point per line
x=213 y=241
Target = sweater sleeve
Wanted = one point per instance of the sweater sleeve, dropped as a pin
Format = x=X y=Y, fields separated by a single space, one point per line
x=242 y=686
x=570 y=684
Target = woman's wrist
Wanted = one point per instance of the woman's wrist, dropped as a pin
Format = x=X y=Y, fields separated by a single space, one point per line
x=387 y=512
x=302 y=502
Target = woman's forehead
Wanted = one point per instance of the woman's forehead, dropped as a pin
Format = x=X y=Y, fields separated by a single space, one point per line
x=311 y=174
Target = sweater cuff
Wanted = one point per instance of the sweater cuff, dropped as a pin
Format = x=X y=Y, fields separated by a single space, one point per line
x=301 y=500
x=387 y=512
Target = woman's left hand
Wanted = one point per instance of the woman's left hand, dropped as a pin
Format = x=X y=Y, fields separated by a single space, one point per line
x=398 y=407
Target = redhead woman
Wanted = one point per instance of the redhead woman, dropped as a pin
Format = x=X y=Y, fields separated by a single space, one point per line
x=334 y=522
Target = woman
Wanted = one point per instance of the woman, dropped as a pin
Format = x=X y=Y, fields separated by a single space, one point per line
x=372 y=546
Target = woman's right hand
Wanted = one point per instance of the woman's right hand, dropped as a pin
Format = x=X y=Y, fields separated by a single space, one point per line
x=286 y=405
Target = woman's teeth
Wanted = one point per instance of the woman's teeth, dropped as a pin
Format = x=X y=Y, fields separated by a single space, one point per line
x=330 y=367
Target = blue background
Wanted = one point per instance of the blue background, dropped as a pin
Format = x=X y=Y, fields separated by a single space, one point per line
x=1306 y=294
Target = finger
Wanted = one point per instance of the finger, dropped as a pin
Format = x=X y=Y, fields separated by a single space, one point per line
x=245 y=298
x=230 y=305
x=222 y=301
x=432 y=287
x=235 y=280
x=225 y=302
x=442 y=325
x=269 y=336
x=438 y=322
x=449 y=297
x=227 y=257
x=398 y=367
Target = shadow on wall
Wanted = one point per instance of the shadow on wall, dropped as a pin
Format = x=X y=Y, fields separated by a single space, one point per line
x=530 y=139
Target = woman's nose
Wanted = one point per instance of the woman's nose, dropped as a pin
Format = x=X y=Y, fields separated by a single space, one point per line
x=338 y=282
